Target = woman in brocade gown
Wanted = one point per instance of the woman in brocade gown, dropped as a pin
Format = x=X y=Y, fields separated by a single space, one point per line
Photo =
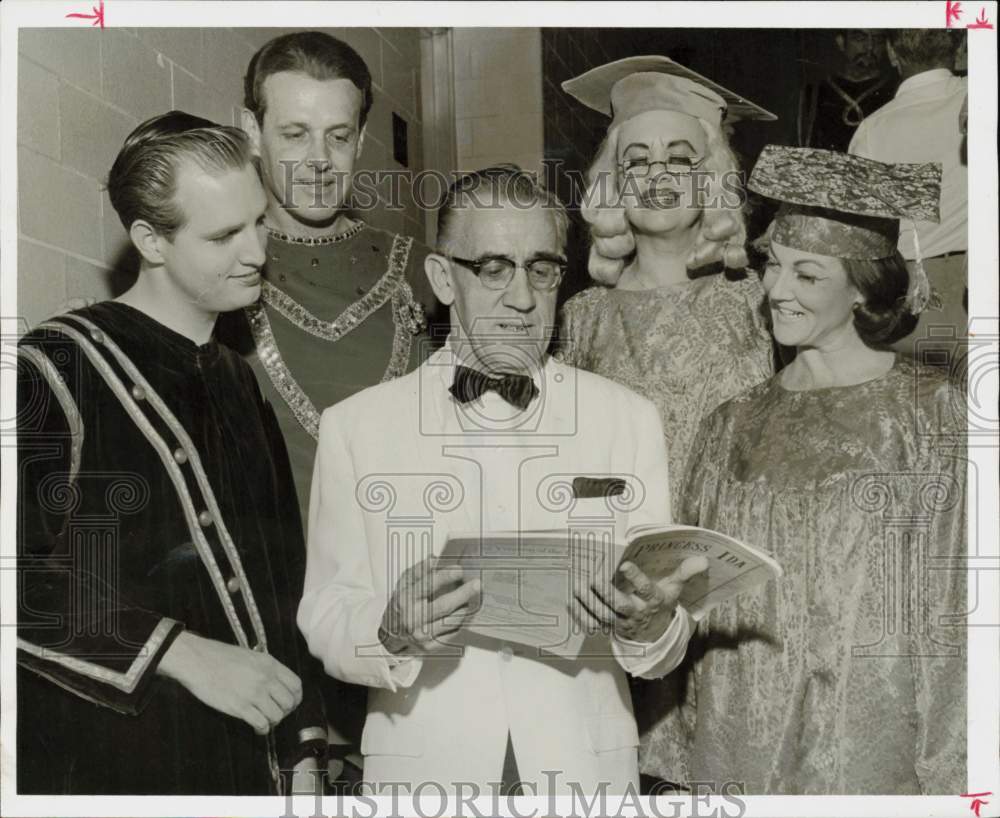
x=660 y=325
x=848 y=674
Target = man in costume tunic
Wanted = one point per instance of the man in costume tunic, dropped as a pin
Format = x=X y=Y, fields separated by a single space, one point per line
x=336 y=315
x=342 y=303
x=160 y=548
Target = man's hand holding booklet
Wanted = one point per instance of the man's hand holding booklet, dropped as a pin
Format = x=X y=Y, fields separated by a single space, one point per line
x=551 y=589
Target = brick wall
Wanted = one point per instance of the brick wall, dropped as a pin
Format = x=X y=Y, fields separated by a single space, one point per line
x=572 y=131
x=498 y=97
x=80 y=92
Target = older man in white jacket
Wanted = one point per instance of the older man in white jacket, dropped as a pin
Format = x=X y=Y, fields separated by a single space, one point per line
x=478 y=439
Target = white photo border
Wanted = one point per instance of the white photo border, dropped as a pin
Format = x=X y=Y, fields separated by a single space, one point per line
x=984 y=578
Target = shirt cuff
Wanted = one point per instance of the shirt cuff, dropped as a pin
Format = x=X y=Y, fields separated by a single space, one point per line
x=400 y=671
x=308 y=734
x=369 y=662
x=652 y=660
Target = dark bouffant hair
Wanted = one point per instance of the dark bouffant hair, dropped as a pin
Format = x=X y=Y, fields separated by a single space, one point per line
x=143 y=180
x=884 y=317
x=312 y=53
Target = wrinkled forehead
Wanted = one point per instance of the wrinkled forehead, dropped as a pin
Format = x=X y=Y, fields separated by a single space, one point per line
x=487 y=225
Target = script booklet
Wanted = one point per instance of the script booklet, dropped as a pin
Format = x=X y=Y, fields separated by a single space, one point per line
x=529 y=577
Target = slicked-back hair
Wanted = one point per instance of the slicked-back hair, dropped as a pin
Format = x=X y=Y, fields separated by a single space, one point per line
x=312 y=53
x=494 y=186
x=142 y=183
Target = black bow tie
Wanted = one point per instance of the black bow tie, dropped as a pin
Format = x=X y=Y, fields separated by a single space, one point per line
x=469 y=384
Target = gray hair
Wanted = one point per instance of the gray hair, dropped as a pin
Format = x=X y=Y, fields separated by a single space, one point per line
x=496 y=185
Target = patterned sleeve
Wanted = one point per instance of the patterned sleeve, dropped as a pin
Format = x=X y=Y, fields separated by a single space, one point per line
x=565 y=348
x=703 y=459
x=571 y=329
x=938 y=656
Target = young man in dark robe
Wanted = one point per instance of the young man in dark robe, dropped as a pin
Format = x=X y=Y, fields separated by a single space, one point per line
x=160 y=549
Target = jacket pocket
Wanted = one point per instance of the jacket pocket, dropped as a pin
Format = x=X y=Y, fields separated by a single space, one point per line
x=612 y=733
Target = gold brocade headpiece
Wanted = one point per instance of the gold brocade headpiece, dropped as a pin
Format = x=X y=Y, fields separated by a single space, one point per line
x=846 y=206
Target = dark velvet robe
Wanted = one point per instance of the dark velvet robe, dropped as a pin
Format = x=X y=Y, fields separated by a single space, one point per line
x=122 y=546
x=338 y=314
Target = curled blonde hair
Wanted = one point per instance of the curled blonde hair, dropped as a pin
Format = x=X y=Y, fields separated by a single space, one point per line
x=721 y=231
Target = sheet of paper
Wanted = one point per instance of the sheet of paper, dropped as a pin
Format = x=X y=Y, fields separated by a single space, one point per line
x=527 y=585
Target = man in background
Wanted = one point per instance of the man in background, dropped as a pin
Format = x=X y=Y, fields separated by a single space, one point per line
x=922 y=124
x=342 y=303
x=831 y=109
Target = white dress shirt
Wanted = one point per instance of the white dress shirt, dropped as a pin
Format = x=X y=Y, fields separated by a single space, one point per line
x=920 y=124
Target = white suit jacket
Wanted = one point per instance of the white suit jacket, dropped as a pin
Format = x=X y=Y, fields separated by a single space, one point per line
x=400 y=465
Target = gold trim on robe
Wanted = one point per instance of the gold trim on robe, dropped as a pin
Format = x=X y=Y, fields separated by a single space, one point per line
x=408 y=320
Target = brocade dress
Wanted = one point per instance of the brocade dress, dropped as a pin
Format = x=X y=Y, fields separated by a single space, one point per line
x=687 y=347
x=847 y=675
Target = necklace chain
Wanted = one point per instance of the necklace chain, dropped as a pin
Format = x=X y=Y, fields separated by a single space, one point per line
x=311 y=241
